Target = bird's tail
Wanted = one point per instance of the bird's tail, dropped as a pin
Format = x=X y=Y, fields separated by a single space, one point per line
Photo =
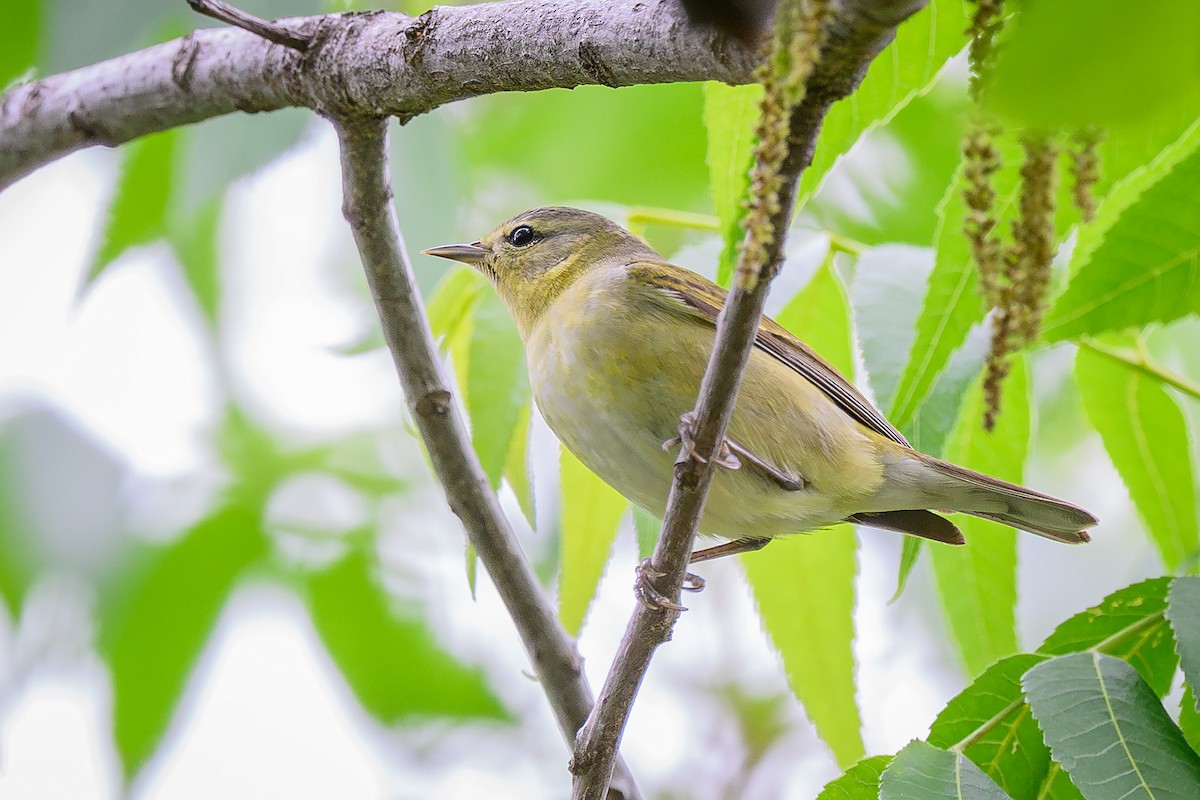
x=991 y=498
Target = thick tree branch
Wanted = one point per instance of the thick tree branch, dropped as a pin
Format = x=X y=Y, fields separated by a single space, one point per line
x=362 y=64
x=859 y=32
x=367 y=205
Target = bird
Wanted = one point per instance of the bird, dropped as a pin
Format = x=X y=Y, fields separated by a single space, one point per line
x=616 y=341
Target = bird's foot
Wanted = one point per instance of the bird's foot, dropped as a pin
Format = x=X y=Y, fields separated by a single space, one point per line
x=649 y=595
x=687 y=437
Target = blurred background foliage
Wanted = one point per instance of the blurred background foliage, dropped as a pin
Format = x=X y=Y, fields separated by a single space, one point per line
x=301 y=481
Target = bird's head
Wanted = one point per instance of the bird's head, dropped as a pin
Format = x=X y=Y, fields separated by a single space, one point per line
x=533 y=257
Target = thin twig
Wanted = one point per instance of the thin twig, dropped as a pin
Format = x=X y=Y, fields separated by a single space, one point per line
x=368 y=209
x=862 y=29
x=271 y=31
x=1145 y=365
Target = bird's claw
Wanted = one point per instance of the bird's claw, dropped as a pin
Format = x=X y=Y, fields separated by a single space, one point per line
x=649 y=595
x=687 y=431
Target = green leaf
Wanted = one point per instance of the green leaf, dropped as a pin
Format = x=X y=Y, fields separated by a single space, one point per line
x=820 y=315
x=497 y=387
x=1189 y=717
x=516 y=466
x=451 y=311
x=860 y=782
x=1129 y=624
x=1109 y=731
x=195 y=245
x=391 y=660
x=1183 y=612
x=804 y=588
x=1139 y=261
x=1146 y=436
x=22 y=32
x=889 y=284
x=591 y=512
x=978 y=582
x=141 y=205
x=990 y=723
x=910 y=553
x=647 y=527
x=1055 y=68
x=952 y=304
x=905 y=69
x=730 y=114
x=155 y=622
x=453 y=301
x=921 y=772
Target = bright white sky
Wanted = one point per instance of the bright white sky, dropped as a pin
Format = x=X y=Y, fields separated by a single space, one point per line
x=265 y=715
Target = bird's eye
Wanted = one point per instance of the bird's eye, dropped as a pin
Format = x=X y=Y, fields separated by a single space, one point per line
x=522 y=236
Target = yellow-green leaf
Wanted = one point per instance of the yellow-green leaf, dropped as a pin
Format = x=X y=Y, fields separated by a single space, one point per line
x=591 y=512
x=978 y=582
x=804 y=587
x=730 y=114
x=1146 y=436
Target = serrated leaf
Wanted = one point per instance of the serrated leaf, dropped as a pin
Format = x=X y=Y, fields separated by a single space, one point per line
x=1129 y=624
x=952 y=304
x=920 y=771
x=1183 y=612
x=910 y=554
x=591 y=512
x=889 y=284
x=905 y=69
x=1146 y=436
x=820 y=315
x=453 y=301
x=730 y=114
x=391 y=661
x=1189 y=717
x=140 y=206
x=860 y=782
x=497 y=387
x=978 y=582
x=1139 y=261
x=1057 y=785
x=990 y=723
x=451 y=317
x=1108 y=729
x=516 y=466
x=804 y=588
x=155 y=622
x=22 y=32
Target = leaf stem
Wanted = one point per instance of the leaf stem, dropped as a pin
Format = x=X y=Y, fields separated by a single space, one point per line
x=639 y=216
x=1142 y=362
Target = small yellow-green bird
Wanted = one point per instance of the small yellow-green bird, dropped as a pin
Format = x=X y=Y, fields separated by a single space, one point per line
x=617 y=340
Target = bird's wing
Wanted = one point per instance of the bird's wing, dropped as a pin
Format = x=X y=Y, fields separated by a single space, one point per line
x=700 y=298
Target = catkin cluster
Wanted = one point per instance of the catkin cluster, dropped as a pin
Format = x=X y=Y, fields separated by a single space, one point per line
x=795 y=48
x=1014 y=276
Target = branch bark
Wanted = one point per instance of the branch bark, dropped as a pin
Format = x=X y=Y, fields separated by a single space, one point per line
x=861 y=29
x=362 y=64
x=368 y=209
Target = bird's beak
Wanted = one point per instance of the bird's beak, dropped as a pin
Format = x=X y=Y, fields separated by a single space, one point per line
x=471 y=253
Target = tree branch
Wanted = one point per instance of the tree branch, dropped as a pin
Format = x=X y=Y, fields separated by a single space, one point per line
x=860 y=31
x=368 y=209
x=362 y=64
